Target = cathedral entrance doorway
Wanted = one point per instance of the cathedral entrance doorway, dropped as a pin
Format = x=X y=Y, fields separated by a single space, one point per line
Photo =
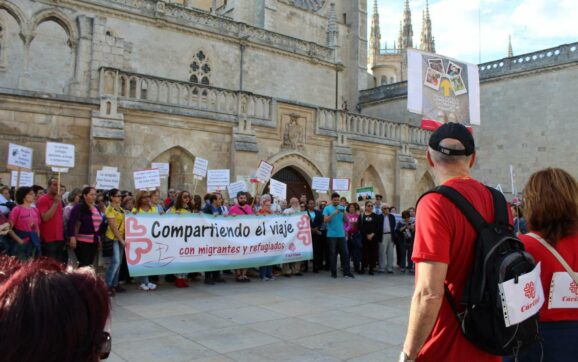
x=296 y=183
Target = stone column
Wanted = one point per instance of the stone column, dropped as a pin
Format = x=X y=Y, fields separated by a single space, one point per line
x=80 y=84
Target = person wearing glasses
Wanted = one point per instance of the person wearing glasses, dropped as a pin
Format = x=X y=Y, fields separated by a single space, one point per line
x=369 y=229
x=42 y=300
x=114 y=236
x=183 y=205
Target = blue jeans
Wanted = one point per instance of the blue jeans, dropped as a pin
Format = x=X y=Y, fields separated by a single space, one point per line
x=338 y=244
x=114 y=267
x=558 y=343
x=266 y=271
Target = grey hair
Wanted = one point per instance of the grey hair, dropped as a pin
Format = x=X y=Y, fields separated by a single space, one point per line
x=452 y=144
x=265 y=197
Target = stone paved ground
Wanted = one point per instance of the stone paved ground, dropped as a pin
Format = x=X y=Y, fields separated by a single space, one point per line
x=309 y=318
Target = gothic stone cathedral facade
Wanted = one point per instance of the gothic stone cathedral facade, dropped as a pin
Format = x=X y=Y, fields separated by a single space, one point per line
x=131 y=82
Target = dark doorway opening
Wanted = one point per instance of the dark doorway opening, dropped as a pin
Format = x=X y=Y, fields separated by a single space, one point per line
x=296 y=183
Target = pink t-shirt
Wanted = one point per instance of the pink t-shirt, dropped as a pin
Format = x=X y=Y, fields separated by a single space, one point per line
x=25 y=219
x=241 y=210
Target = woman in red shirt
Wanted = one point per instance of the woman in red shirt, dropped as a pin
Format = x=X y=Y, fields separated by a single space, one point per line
x=551 y=210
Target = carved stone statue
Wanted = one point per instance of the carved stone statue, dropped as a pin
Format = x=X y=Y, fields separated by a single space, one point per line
x=294 y=136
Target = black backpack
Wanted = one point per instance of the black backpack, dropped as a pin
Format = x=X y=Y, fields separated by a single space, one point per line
x=499 y=256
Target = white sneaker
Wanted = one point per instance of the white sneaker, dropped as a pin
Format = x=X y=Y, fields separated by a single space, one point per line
x=152 y=286
x=144 y=287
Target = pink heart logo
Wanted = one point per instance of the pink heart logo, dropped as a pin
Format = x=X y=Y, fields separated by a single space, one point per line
x=136 y=243
x=133 y=228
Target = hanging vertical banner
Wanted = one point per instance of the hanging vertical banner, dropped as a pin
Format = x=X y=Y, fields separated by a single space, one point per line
x=442 y=89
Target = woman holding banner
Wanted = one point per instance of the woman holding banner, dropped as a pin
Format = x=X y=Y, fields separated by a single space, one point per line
x=114 y=237
x=265 y=272
x=84 y=228
x=145 y=205
x=183 y=205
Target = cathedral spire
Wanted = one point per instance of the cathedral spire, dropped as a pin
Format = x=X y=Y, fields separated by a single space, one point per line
x=427 y=42
x=407 y=34
x=375 y=35
x=510 y=51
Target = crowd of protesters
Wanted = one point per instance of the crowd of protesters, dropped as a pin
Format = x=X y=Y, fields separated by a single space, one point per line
x=85 y=227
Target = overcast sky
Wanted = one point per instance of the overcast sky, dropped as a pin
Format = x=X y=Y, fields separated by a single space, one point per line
x=533 y=24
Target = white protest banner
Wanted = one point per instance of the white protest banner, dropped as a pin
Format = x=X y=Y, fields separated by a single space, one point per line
x=442 y=89
x=236 y=187
x=59 y=155
x=26 y=178
x=147 y=179
x=513 y=181
x=200 y=167
x=169 y=244
x=162 y=166
x=563 y=291
x=278 y=189
x=340 y=184
x=19 y=157
x=107 y=179
x=218 y=179
x=264 y=171
x=320 y=183
x=522 y=298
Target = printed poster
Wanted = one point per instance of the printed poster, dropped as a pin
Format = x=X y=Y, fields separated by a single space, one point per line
x=442 y=89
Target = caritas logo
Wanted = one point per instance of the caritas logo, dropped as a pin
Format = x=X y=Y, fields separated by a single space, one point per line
x=530 y=290
x=574 y=288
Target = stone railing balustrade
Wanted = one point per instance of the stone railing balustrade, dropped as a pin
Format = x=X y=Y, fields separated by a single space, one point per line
x=132 y=87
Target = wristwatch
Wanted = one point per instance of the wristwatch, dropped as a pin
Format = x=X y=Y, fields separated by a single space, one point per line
x=405 y=358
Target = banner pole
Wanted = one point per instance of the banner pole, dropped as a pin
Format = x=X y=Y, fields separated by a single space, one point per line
x=59 y=182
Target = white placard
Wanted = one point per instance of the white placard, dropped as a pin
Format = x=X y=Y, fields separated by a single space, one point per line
x=200 y=167
x=264 y=171
x=563 y=291
x=320 y=183
x=341 y=184
x=523 y=299
x=162 y=166
x=19 y=156
x=59 y=155
x=60 y=169
x=278 y=189
x=218 y=179
x=147 y=179
x=26 y=178
x=236 y=187
x=107 y=179
x=108 y=168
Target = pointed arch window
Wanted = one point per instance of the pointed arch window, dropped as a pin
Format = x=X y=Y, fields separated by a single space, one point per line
x=200 y=68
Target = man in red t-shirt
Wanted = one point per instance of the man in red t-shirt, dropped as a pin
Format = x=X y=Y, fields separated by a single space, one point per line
x=51 y=227
x=444 y=251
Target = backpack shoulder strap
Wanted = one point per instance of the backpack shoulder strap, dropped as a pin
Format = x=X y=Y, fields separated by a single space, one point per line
x=462 y=204
x=500 y=207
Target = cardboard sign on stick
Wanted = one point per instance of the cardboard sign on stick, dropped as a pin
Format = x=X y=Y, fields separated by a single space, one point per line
x=59 y=155
x=163 y=167
x=200 y=167
x=278 y=189
x=147 y=179
x=264 y=171
x=26 y=179
x=19 y=157
x=341 y=184
x=107 y=179
x=218 y=179
x=320 y=183
x=236 y=187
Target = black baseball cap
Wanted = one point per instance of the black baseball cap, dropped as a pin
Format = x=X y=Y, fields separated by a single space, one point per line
x=455 y=131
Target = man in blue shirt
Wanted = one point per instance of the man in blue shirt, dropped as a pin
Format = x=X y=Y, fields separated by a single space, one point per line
x=334 y=216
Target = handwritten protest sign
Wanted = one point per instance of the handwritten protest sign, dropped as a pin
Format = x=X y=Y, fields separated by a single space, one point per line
x=341 y=184
x=200 y=167
x=147 y=179
x=264 y=171
x=107 y=179
x=320 y=183
x=163 y=168
x=59 y=155
x=442 y=89
x=237 y=187
x=26 y=178
x=170 y=244
x=218 y=179
x=19 y=157
x=278 y=189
